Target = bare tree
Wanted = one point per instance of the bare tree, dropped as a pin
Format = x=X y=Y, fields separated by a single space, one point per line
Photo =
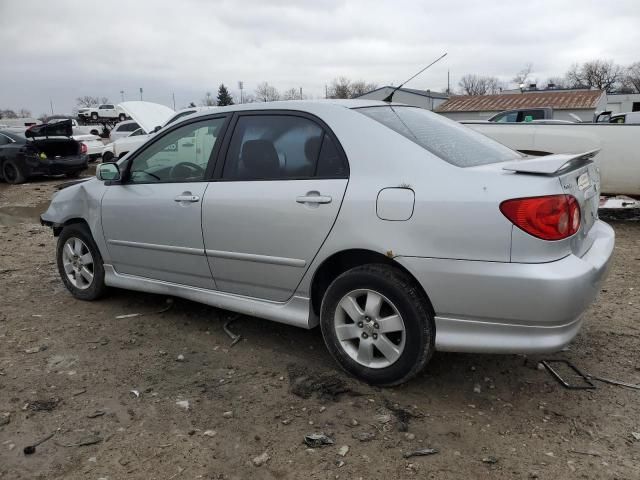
x=631 y=78
x=523 y=75
x=24 y=113
x=8 y=113
x=87 y=101
x=360 y=87
x=208 y=100
x=266 y=93
x=104 y=100
x=601 y=74
x=340 y=87
x=472 y=84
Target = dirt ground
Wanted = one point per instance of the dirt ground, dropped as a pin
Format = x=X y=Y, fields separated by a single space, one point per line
x=114 y=389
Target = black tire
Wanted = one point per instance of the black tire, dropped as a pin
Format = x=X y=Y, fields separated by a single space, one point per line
x=411 y=304
x=74 y=174
x=94 y=116
x=122 y=117
x=12 y=173
x=97 y=287
x=95 y=132
x=107 y=157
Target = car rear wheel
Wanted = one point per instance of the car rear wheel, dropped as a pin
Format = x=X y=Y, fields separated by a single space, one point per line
x=80 y=263
x=12 y=173
x=122 y=117
x=94 y=116
x=107 y=157
x=377 y=324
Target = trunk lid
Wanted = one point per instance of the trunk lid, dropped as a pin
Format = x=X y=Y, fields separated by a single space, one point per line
x=147 y=114
x=579 y=177
x=62 y=128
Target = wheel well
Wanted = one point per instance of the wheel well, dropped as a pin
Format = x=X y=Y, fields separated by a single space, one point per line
x=58 y=228
x=340 y=262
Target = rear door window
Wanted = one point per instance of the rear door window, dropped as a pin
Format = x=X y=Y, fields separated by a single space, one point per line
x=272 y=147
x=451 y=141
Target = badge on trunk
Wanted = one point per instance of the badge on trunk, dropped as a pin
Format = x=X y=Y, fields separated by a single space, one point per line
x=584 y=181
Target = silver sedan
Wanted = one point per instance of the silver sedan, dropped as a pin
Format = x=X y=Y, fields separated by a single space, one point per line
x=398 y=231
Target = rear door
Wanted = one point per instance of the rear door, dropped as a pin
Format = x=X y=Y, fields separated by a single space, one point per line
x=152 y=221
x=274 y=202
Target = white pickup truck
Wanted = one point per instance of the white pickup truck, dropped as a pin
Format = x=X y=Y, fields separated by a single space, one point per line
x=618 y=145
x=104 y=111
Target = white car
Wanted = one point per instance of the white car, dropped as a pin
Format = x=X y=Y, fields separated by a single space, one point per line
x=123 y=129
x=147 y=117
x=106 y=111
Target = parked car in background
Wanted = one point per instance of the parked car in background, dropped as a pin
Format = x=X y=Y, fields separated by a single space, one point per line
x=397 y=230
x=149 y=116
x=627 y=117
x=46 y=149
x=123 y=129
x=105 y=111
x=522 y=115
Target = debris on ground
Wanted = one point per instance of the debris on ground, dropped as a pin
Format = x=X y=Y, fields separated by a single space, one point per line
x=30 y=449
x=343 y=450
x=180 y=358
x=5 y=418
x=304 y=384
x=234 y=338
x=42 y=405
x=490 y=460
x=403 y=415
x=261 y=459
x=183 y=404
x=636 y=435
x=364 y=436
x=316 y=440
x=135 y=393
x=95 y=414
x=39 y=348
x=209 y=433
x=128 y=315
x=83 y=442
x=169 y=302
x=422 y=452
x=227 y=414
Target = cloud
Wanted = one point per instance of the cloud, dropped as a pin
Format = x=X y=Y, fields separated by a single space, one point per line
x=63 y=49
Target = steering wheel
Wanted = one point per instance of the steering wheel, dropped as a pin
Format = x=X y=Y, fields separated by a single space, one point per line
x=184 y=170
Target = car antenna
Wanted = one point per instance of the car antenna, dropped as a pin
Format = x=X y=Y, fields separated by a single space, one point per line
x=389 y=98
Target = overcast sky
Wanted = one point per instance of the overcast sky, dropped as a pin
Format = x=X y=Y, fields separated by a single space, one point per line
x=61 y=49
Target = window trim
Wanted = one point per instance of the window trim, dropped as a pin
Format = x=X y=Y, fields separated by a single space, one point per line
x=213 y=157
x=222 y=159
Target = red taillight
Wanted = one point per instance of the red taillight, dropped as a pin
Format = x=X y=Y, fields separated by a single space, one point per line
x=552 y=217
x=83 y=148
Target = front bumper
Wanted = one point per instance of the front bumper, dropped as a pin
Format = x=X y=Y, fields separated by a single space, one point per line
x=492 y=307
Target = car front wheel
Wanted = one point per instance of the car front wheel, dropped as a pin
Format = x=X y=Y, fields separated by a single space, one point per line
x=80 y=263
x=377 y=324
x=12 y=173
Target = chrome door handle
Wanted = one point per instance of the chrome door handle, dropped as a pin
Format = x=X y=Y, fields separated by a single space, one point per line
x=313 y=199
x=187 y=198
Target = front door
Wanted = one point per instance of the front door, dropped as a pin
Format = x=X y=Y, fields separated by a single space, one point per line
x=152 y=222
x=273 y=206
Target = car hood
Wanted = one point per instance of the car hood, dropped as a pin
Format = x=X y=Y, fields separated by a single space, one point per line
x=62 y=128
x=148 y=115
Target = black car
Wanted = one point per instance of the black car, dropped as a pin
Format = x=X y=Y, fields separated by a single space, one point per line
x=46 y=149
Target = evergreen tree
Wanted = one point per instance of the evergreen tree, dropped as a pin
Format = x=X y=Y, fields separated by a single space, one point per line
x=223 y=96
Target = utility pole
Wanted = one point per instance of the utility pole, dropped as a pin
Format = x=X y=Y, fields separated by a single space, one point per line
x=173 y=95
x=241 y=86
x=326 y=91
x=448 y=84
x=122 y=95
x=51 y=102
x=140 y=93
x=300 y=93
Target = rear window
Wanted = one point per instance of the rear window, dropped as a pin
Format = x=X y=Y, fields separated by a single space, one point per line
x=448 y=140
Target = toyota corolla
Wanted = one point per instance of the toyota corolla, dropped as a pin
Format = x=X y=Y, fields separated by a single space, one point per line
x=396 y=230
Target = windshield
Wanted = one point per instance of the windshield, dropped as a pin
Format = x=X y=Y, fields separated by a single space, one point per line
x=448 y=140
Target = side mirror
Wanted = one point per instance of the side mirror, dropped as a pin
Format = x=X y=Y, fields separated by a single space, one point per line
x=108 y=172
x=158 y=127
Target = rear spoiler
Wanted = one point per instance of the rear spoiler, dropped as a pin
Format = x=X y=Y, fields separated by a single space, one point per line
x=551 y=164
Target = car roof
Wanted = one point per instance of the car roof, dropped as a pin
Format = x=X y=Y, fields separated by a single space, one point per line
x=310 y=106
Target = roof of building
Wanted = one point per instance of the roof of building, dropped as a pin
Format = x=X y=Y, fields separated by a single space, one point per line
x=559 y=100
x=422 y=93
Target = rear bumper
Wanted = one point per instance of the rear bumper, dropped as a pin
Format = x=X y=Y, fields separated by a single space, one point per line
x=497 y=307
x=59 y=166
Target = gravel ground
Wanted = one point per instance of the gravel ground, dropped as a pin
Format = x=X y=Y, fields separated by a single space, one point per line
x=163 y=394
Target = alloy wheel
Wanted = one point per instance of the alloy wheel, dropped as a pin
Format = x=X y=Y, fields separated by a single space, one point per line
x=78 y=263
x=369 y=328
